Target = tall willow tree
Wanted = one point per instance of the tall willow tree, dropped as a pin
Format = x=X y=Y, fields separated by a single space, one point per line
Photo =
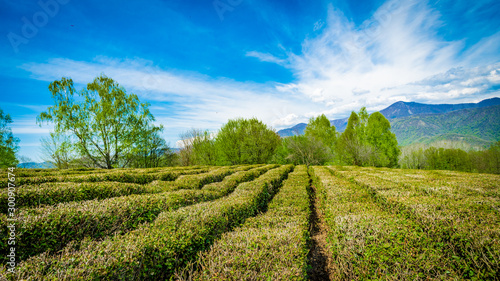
x=106 y=122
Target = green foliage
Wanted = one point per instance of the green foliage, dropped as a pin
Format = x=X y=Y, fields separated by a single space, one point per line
x=58 y=149
x=477 y=126
x=205 y=149
x=350 y=142
x=51 y=228
x=151 y=151
x=384 y=142
x=106 y=122
x=8 y=143
x=302 y=150
x=33 y=193
x=320 y=129
x=380 y=224
x=239 y=141
x=315 y=147
x=455 y=159
x=454 y=216
x=368 y=141
x=389 y=224
x=153 y=251
x=246 y=141
x=270 y=246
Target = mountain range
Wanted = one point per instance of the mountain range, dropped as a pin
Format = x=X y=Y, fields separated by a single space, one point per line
x=412 y=122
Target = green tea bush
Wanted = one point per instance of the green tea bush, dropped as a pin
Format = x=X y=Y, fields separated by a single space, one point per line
x=51 y=228
x=59 y=192
x=371 y=242
x=461 y=217
x=153 y=251
x=270 y=246
x=118 y=175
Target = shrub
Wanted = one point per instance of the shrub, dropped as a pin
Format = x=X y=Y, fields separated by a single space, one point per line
x=153 y=251
x=269 y=246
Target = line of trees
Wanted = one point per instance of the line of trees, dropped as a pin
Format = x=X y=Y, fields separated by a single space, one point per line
x=367 y=141
x=239 y=141
x=103 y=126
x=451 y=158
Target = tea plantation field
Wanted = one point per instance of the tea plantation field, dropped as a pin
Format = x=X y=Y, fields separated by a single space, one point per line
x=250 y=222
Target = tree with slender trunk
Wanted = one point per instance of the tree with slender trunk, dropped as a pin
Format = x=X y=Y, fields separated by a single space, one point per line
x=105 y=121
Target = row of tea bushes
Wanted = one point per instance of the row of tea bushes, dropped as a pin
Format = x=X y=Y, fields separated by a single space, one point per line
x=443 y=183
x=20 y=172
x=59 y=192
x=129 y=176
x=153 y=251
x=372 y=242
x=466 y=225
x=51 y=228
x=197 y=181
x=270 y=246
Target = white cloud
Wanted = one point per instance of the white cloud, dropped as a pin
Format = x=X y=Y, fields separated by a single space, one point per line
x=288 y=120
x=181 y=100
x=458 y=84
x=395 y=55
x=265 y=57
x=28 y=130
x=28 y=126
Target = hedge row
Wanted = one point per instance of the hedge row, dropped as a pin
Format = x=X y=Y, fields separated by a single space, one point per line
x=443 y=183
x=153 y=251
x=465 y=227
x=20 y=172
x=271 y=246
x=51 y=228
x=371 y=242
x=115 y=175
x=60 y=192
x=197 y=181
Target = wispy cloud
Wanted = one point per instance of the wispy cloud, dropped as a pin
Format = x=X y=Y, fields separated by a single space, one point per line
x=28 y=126
x=182 y=100
x=33 y=107
x=395 y=55
x=265 y=57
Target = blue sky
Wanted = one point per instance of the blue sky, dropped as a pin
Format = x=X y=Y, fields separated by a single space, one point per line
x=200 y=63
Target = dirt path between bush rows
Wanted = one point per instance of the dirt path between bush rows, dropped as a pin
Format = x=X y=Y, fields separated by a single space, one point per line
x=319 y=259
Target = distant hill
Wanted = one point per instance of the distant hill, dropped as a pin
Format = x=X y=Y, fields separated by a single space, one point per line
x=399 y=111
x=477 y=126
x=34 y=165
x=403 y=109
x=293 y=131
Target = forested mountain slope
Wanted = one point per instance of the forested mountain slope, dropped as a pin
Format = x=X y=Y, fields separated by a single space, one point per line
x=475 y=123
